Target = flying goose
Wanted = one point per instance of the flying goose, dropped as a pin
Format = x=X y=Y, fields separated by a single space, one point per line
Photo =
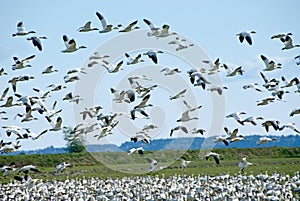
x=71 y=98
x=34 y=136
x=28 y=168
x=266 y=101
x=141 y=111
x=197 y=78
x=270 y=65
x=143 y=103
x=21 y=30
x=13 y=81
x=218 y=89
x=177 y=128
x=252 y=86
x=139 y=150
x=27 y=116
x=12 y=147
x=2 y=72
x=4 y=93
x=70 y=45
x=36 y=41
x=186 y=117
x=49 y=70
x=294 y=112
x=190 y=108
x=273 y=123
x=246 y=35
x=113 y=69
x=291 y=126
x=130 y=27
x=147 y=128
x=91 y=112
x=231 y=134
x=178 y=95
x=252 y=120
x=55 y=126
x=199 y=130
x=169 y=71
x=221 y=139
x=144 y=137
x=105 y=27
x=154 y=30
x=55 y=87
x=9 y=102
x=20 y=64
x=164 y=32
x=214 y=66
x=87 y=27
x=181 y=43
x=214 y=155
x=132 y=60
x=281 y=35
x=264 y=140
x=153 y=55
x=232 y=72
x=236 y=116
x=288 y=43
x=76 y=70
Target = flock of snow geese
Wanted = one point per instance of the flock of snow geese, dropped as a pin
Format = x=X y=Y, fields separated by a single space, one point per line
x=36 y=106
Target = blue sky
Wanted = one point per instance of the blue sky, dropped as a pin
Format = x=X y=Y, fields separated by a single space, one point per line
x=212 y=25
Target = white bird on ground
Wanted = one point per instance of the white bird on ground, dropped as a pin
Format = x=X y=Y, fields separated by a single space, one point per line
x=244 y=164
x=130 y=27
x=153 y=164
x=291 y=126
x=36 y=41
x=252 y=86
x=8 y=169
x=139 y=150
x=105 y=26
x=177 y=128
x=154 y=30
x=62 y=166
x=236 y=116
x=153 y=55
x=270 y=65
x=21 y=30
x=264 y=140
x=246 y=35
x=288 y=43
x=87 y=27
x=70 y=45
x=216 y=157
x=184 y=163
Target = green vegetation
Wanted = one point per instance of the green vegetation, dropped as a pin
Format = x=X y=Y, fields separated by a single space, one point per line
x=75 y=142
x=112 y=164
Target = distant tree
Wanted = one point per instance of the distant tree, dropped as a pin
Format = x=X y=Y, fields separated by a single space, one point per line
x=75 y=144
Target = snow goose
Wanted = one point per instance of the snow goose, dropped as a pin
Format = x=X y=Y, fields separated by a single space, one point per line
x=49 y=69
x=4 y=93
x=154 y=30
x=184 y=163
x=190 y=108
x=144 y=103
x=70 y=45
x=2 y=72
x=27 y=116
x=231 y=134
x=178 y=95
x=197 y=78
x=153 y=55
x=143 y=137
x=28 y=168
x=252 y=86
x=36 y=41
x=76 y=70
x=153 y=164
x=199 y=130
x=281 y=35
x=9 y=102
x=113 y=69
x=134 y=60
x=34 y=136
x=273 y=123
x=266 y=101
x=252 y=120
x=270 y=65
x=147 y=128
x=71 y=98
x=264 y=140
x=270 y=84
x=221 y=139
x=130 y=27
x=55 y=87
x=55 y=126
x=10 y=147
x=139 y=150
x=177 y=128
x=13 y=81
x=288 y=43
x=246 y=35
x=62 y=166
x=232 y=72
x=87 y=27
x=294 y=112
x=105 y=26
x=216 y=157
x=218 y=89
x=138 y=113
x=21 y=30
x=169 y=71
x=8 y=169
x=291 y=126
x=244 y=164
x=20 y=64
x=164 y=32
x=236 y=116
x=186 y=117
x=181 y=43
x=215 y=67
x=91 y=112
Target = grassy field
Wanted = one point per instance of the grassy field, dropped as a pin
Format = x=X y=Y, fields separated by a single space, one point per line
x=103 y=165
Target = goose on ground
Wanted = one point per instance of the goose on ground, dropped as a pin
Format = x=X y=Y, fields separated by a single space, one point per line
x=36 y=41
x=186 y=117
x=216 y=157
x=70 y=45
x=130 y=27
x=294 y=112
x=153 y=164
x=264 y=140
x=288 y=43
x=87 y=27
x=134 y=60
x=164 y=32
x=153 y=55
x=291 y=126
x=281 y=35
x=178 y=95
x=20 y=64
x=139 y=150
x=49 y=69
x=246 y=35
x=252 y=86
x=28 y=168
x=113 y=69
x=177 y=128
x=105 y=26
x=184 y=163
x=270 y=65
x=244 y=164
x=236 y=116
x=154 y=30
x=21 y=30
x=232 y=72
x=62 y=167
x=169 y=71
x=273 y=123
x=252 y=120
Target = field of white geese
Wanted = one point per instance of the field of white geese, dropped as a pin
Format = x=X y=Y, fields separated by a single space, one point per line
x=96 y=74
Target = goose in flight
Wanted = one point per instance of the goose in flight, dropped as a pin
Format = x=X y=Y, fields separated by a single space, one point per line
x=252 y=120
x=169 y=71
x=134 y=60
x=62 y=167
x=273 y=123
x=294 y=112
x=218 y=89
x=246 y=35
x=9 y=102
x=291 y=126
x=190 y=108
x=252 y=86
x=264 y=140
x=178 y=95
x=164 y=32
x=4 y=93
x=71 y=98
x=216 y=157
x=221 y=139
x=32 y=135
x=236 y=116
x=143 y=137
x=186 y=117
x=27 y=116
x=288 y=43
x=270 y=65
x=140 y=111
x=49 y=69
x=177 y=128
x=20 y=64
x=55 y=87
x=8 y=169
x=199 y=130
x=232 y=72
x=2 y=72
x=266 y=101
x=154 y=30
x=91 y=112
x=281 y=35
x=21 y=30
x=153 y=55
x=139 y=150
x=270 y=84
x=105 y=26
x=20 y=78
x=12 y=147
x=215 y=67
x=181 y=43
x=28 y=168
x=231 y=134
x=244 y=164
x=113 y=69
x=197 y=78
x=55 y=126
x=144 y=103
x=130 y=27
x=147 y=128
x=36 y=41
x=70 y=45
x=87 y=27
